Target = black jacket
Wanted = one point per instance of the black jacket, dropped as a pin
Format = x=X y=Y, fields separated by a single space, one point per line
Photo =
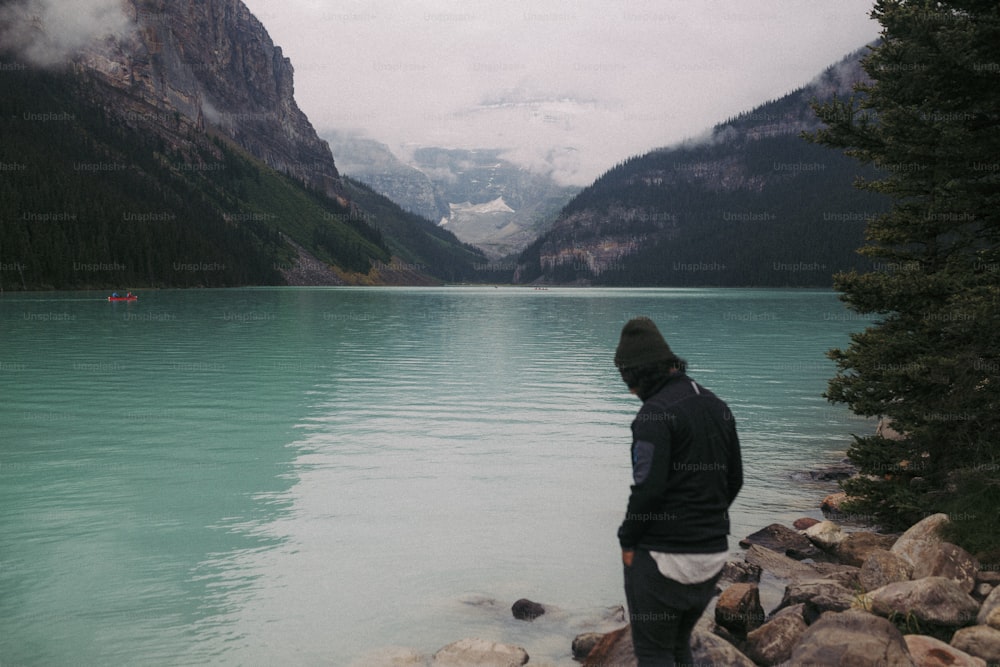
x=687 y=469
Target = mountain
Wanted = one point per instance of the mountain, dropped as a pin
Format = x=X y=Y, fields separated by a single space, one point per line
x=751 y=203
x=154 y=143
x=462 y=189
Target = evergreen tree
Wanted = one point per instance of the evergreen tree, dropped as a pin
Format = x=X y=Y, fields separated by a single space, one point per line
x=930 y=121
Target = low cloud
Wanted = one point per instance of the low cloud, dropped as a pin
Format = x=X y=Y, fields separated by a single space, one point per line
x=47 y=33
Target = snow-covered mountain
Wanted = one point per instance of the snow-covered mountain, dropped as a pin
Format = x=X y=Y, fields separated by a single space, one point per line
x=479 y=196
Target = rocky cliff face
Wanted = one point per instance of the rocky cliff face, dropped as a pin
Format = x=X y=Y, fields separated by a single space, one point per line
x=210 y=65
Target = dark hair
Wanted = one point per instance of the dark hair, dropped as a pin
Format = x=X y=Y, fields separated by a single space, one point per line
x=647 y=378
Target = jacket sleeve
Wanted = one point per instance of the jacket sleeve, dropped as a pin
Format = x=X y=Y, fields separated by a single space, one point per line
x=650 y=470
x=734 y=466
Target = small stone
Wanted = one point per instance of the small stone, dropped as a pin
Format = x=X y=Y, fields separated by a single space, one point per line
x=739 y=572
x=825 y=534
x=833 y=503
x=480 y=652
x=526 y=610
x=584 y=643
x=804 y=522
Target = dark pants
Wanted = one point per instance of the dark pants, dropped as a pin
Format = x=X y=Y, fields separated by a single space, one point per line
x=663 y=612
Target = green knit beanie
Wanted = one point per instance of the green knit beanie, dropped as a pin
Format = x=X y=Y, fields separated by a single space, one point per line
x=641 y=344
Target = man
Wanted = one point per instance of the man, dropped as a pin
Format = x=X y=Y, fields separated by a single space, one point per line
x=687 y=470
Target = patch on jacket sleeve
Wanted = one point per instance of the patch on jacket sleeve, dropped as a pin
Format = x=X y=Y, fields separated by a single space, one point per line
x=642 y=460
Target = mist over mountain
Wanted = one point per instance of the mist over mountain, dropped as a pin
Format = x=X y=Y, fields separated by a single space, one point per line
x=749 y=203
x=148 y=142
x=481 y=197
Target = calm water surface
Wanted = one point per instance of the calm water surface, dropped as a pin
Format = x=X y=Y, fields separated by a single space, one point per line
x=309 y=476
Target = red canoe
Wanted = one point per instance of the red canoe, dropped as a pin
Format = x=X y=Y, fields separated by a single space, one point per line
x=131 y=297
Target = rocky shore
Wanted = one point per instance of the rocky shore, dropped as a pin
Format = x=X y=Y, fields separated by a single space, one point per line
x=815 y=594
x=851 y=598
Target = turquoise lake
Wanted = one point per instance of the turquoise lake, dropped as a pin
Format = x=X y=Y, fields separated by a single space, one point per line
x=306 y=476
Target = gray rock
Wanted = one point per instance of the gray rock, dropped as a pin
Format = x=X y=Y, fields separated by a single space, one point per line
x=981 y=641
x=854 y=638
x=772 y=643
x=921 y=536
x=931 y=652
x=738 y=608
x=804 y=522
x=991 y=602
x=526 y=610
x=784 y=540
x=825 y=534
x=709 y=649
x=780 y=565
x=740 y=572
x=818 y=596
x=947 y=560
x=936 y=601
x=855 y=548
x=584 y=643
x=883 y=567
x=481 y=653
x=614 y=648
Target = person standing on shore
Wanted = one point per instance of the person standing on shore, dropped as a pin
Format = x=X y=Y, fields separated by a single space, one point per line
x=687 y=470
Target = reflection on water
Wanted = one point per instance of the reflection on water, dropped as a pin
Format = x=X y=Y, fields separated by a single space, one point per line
x=305 y=475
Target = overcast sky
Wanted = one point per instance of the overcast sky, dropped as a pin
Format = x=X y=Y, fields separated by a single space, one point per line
x=573 y=87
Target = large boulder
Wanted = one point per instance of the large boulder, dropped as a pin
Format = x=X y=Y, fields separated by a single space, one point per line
x=943 y=559
x=738 y=609
x=710 y=649
x=991 y=603
x=818 y=596
x=780 y=565
x=935 y=601
x=931 y=652
x=856 y=547
x=784 y=540
x=480 y=652
x=772 y=643
x=614 y=648
x=854 y=638
x=920 y=537
x=883 y=567
x=981 y=641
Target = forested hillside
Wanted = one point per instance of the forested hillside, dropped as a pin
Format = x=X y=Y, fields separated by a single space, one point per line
x=751 y=204
x=89 y=199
